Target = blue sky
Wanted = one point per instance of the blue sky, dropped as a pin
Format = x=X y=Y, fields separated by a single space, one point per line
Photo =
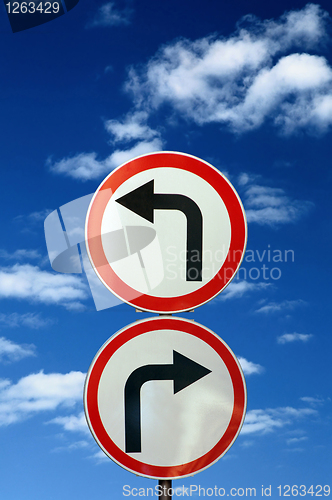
x=246 y=86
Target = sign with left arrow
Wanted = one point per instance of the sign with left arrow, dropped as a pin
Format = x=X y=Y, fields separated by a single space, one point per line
x=143 y=202
x=199 y=226
x=165 y=397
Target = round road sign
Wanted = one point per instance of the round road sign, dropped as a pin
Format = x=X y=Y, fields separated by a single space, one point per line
x=166 y=232
x=165 y=397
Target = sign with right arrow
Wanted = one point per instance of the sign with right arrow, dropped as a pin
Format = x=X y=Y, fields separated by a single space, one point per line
x=199 y=229
x=165 y=397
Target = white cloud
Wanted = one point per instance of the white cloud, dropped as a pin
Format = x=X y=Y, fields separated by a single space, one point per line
x=296 y=440
x=262 y=196
x=38 y=216
x=100 y=457
x=240 y=82
x=83 y=166
x=280 y=306
x=264 y=421
x=247 y=444
x=270 y=206
x=31 y=283
x=244 y=178
x=260 y=421
x=294 y=77
x=29 y=223
x=245 y=79
x=73 y=423
x=10 y=351
x=293 y=337
x=38 y=392
x=141 y=148
x=237 y=289
x=77 y=445
x=248 y=367
x=133 y=126
x=34 y=217
x=109 y=15
x=313 y=401
x=86 y=166
x=31 y=320
x=20 y=254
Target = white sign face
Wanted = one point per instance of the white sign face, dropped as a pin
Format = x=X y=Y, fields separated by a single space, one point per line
x=165 y=398
x=166 y=232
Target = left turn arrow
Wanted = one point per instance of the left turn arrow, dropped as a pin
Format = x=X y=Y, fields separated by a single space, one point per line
x=143 y=201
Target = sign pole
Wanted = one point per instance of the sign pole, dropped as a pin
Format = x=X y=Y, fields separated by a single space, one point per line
x=165 y=484
x=165 y=487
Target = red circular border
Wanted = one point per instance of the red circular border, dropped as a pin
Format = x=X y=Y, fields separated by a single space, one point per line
x=91 y=398
x=166 y=304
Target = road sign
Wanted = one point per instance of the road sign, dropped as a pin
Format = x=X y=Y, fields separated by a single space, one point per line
x=198 y=224
x=165 y=397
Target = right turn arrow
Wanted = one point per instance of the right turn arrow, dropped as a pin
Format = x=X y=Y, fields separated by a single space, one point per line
x=183 y=372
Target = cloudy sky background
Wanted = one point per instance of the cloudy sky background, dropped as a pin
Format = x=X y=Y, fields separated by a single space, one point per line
x=246 y=86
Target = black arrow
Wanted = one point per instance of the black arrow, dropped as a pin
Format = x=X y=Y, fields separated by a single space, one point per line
x=143 y=201
x=183 y=372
